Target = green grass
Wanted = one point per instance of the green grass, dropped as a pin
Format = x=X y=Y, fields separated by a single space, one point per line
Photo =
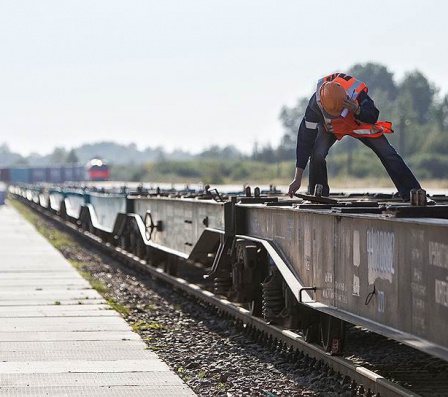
x=96 y=284
x=117 y=306
x=142 y=325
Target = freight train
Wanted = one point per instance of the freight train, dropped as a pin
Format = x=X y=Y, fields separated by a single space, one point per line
x=314 y=265
x=94 y=170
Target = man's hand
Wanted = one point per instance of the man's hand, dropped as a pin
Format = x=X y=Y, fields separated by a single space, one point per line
x=351 y=105
x=295 y=184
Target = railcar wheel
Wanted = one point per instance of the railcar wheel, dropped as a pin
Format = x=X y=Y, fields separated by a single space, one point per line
x=332 y=334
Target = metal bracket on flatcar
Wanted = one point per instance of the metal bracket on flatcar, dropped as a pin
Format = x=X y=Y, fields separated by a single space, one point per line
x=305 y=289
x=150 y=225
x=215 y=195
x=316 y=199
x=370 y=296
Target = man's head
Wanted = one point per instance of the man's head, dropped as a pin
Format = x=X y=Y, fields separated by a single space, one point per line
x=332 y=97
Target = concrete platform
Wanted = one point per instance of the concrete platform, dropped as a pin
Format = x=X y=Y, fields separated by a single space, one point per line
x=58 y=336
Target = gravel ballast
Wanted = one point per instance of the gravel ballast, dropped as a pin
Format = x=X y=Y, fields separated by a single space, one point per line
x=211 y=354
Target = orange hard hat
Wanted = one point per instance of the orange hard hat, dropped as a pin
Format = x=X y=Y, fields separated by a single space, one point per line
x=332 y=97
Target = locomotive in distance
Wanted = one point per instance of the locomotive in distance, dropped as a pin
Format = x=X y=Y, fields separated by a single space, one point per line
x=361 y=259
x=95 y=170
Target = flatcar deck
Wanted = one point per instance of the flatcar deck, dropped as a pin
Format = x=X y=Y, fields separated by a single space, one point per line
x=58 y=336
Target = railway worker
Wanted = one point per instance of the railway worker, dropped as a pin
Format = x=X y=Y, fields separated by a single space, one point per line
x=341 y=106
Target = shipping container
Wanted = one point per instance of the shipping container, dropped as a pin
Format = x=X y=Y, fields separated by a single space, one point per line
x=74 y=173
x=38 y=174
x=79 y=173
x=4 y=175
x=54 y=175
x=2 y=193
x=68 y=174
x=19 y=175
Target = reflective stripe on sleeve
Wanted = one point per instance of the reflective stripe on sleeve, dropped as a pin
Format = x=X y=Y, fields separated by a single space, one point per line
x=366 y=132
x=310 y=125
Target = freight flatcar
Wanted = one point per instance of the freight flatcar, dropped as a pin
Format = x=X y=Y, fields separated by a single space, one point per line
x=313 y=264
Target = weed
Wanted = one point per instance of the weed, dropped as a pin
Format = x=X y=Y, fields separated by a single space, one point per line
x=117 y=306
x=98 y=285
x=142 y=325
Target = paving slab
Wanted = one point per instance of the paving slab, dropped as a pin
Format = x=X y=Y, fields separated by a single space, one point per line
x=71 y=379
x=40 y=282
x=58 y=336
x=38 y=294
x=68 y=336
x=53 y=302
x=107 y=391
x=57 y=311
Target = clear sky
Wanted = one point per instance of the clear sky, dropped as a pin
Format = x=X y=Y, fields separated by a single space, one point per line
x=189 y=74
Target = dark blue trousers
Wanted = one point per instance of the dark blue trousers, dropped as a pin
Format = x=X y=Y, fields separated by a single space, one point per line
x=402 y=177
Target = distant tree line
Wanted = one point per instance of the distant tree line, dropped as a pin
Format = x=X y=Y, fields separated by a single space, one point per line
x=110 y=151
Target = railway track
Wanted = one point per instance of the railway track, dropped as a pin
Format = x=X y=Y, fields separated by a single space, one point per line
x=364 y=372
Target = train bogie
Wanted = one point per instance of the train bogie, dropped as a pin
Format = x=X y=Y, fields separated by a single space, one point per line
x=250 y=268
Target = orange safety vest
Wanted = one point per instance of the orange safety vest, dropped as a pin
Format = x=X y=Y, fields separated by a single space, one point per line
x=346 y=123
